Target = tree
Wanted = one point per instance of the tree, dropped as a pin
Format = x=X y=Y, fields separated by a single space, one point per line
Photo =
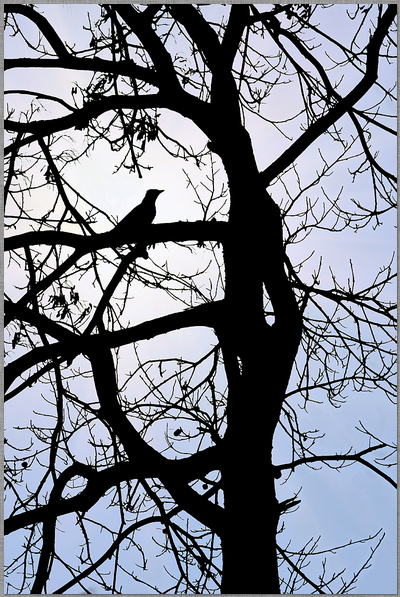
x=158 y=378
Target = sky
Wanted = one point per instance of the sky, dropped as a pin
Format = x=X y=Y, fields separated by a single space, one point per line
x=344 y=505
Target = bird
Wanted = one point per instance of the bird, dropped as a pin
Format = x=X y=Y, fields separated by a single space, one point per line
x=140 y=216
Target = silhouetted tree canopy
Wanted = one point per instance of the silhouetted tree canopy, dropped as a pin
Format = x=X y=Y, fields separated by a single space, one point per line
x=172 y=382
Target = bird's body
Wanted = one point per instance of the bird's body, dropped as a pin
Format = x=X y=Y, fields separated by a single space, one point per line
x=140 y=216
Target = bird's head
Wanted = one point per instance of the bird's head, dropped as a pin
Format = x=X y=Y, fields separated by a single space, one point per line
x=152 y=194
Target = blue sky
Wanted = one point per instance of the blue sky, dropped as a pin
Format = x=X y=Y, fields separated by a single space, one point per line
x=352 y=503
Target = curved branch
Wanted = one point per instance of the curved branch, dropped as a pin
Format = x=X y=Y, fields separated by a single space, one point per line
x=49 y=525
x=138 y=450
x=99 y=482
x=42 y=96
x=42 y=24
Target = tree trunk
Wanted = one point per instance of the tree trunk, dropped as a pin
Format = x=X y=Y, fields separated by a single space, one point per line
x=251 y=507
x=258 y=366
x=249 y=539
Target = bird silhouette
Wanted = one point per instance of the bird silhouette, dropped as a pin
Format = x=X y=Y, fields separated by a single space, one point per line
x=140 y=216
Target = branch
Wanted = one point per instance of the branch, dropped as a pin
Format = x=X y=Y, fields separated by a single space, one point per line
x=60 y=187
x=110 y=551
x=369 y=156
x=201 y=32
x=338 y=295
x=80 y=118
x=42 y=96
x=67 y=61
x=41 y=322
x=299 y=571
x=125 y=68
x=234 y=31
x=175 y=232
x=320 y=126
x=49 y=523
x=162 y=518
x=268 y=21
x=42 y=24
x=99 y=482
x=224 y=94
x=46 y=282
x=342 y=457
x=141 y=26
x=138 y=450
x=156 y=233
x=203 y=315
